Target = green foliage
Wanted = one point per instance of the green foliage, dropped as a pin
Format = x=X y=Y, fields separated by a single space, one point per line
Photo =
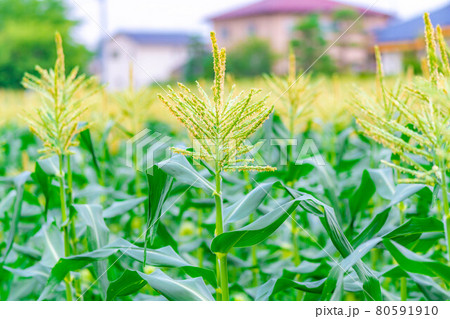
x=346 y=14
x=354 y=232
x=199 y=63
x=412 y=61
x=251 y=58
x=309 y=43
x=27 y=28
x=414 y=121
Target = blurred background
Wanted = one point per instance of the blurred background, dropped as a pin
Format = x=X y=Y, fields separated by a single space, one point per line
x=167 y=40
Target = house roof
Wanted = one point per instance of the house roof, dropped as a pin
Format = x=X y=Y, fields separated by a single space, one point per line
x=289 y=6
x=412 y=29
x=145 y=37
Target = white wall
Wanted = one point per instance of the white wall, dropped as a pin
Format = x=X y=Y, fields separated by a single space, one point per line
x=153 y=63
x=392 y=62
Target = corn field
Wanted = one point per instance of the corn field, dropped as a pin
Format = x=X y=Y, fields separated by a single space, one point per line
x=303 y=188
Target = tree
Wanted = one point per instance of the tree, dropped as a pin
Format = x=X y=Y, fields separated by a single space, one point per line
x=27 y=31
x=345 y=14
x=309 y=43
x=350 y=28
x=251 y=58
x=199 y=64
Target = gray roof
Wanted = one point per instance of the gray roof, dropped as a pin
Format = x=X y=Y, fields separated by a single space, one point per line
x=143 y=37
x=412 y=29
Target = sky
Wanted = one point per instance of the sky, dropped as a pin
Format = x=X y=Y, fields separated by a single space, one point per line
x=192 y=15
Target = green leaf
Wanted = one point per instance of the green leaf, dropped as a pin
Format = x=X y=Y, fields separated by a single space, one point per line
x=46 y=170
x=417 y=264
x=375 y=225
x=50 y=165
x=7 y=202
x=159 y=186
x=416 y=226
x=328 y=180
x=257 y=231
x=336 y=277
x=363 y=194
x=334 y=285
x=264 y=226
x=128 y=283
x=384 y=182
x=121 y=207
x=401 y=193
x=273 y=286
x=86 y=142
x=247 y=204
x=404 y=191
x=162 y=257
x=45 y=182
x=97 y=232
x=53 y=245
x=373 y=180
x=19 y=183
x=371 y=285
x=267 y=224
x=36 y=271
x=430 y=289
x=97 y=237
x=27 y=251
x=189 y=289
x=164 y=238
x=179 y=167
x=175 y=290
x=167 y=257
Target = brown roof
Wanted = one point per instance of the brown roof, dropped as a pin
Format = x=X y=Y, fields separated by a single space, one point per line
x=266 y=7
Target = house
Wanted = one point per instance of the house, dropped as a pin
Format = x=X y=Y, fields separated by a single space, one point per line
x=274 y=21
x=156 y=57
x=405 y=39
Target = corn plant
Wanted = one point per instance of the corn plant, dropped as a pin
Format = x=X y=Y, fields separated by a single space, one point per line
x=56 y=122
x=416 y=129
x=295 y=96
x=132 y=102
x=220 y=129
